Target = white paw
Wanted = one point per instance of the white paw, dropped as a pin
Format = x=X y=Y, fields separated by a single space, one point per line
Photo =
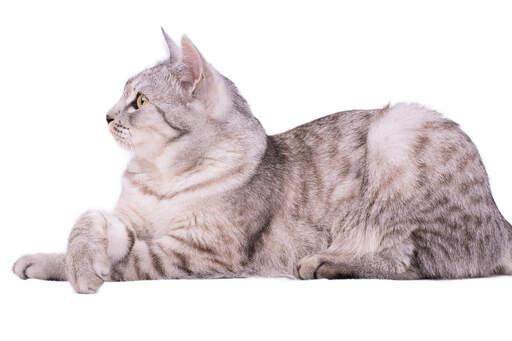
x=23 y=264
x=87 y=267
x=40 y=266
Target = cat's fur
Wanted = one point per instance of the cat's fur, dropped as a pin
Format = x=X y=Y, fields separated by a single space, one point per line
x=397 y=193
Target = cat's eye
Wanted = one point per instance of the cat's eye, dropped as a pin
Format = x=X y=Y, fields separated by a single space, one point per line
x=141 y=100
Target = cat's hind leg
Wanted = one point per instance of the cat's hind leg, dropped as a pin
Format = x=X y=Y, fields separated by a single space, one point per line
x=370 y=266
x=45 y=266
x=391 y=263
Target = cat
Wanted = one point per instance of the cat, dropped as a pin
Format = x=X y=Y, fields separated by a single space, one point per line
x=393 y=193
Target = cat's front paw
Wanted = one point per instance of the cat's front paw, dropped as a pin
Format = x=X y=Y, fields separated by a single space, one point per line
x=87 y=267
x=40 y=266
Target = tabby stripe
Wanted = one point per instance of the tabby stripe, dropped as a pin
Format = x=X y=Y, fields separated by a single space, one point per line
x=148 y=191
x=157 y=262
x=184 y=263
x=76 y=232
x=211 y=181
x=145 y=189
x=369 y=209
x=255 y=240
x=117 y=275
x=180 y=130
x=466 y=159
x=131 y=243
x=221 y=263
x=188 y=169
x=136 y=265
x=429 y=245
x=193 y=245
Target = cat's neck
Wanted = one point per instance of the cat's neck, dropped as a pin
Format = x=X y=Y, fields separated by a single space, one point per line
x=222 y=167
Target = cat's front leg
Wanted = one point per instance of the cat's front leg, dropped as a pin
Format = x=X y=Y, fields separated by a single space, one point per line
x=97 y=240
x=45 y=266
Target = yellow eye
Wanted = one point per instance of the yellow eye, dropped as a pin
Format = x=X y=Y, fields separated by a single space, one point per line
x=141 y=100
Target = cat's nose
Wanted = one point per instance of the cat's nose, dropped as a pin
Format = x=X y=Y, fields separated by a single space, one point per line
x=109 y=119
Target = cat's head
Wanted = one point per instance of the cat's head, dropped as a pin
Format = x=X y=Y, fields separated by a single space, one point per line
x=181 y=104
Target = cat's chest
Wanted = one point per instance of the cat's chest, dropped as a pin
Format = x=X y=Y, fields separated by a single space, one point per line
x=152 y=216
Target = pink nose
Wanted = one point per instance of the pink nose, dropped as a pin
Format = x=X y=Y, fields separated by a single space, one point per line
x=109 y=119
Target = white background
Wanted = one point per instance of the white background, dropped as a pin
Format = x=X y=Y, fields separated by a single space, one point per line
x=63 y=65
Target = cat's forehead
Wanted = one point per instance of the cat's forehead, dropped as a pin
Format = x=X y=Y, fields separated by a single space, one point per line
x=152 y=77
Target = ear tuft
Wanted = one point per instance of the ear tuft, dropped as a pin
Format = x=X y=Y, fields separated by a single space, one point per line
x=174 y=51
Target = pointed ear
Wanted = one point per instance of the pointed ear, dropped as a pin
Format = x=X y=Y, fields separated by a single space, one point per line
x=194 y=62
x=174 y=51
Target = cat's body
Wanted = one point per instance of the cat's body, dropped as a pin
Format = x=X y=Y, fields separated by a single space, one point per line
x=398 y=193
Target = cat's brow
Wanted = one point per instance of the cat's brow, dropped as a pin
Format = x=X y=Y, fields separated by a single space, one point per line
x=129 y=83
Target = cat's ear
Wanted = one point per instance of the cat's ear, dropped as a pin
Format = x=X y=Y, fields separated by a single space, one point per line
x=174 y=51
x=196 y=65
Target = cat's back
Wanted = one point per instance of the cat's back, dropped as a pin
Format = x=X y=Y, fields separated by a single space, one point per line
x=387 y=134
x=331 y=127
x=332 y=160
x=325 y=167
x=327 y=138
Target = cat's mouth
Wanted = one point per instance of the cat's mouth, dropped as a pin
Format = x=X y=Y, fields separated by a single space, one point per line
x=121 y=134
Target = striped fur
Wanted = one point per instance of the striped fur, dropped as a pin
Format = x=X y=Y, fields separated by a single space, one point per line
x=398 y=193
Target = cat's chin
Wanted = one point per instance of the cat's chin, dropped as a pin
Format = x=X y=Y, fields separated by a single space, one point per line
x=123 y=143
x=122 y=138
x=126 y=146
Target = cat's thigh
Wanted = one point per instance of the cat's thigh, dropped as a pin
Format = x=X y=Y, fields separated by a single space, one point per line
x=441 y=253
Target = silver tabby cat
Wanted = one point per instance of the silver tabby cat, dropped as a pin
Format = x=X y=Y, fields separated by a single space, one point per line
x=393 y=193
